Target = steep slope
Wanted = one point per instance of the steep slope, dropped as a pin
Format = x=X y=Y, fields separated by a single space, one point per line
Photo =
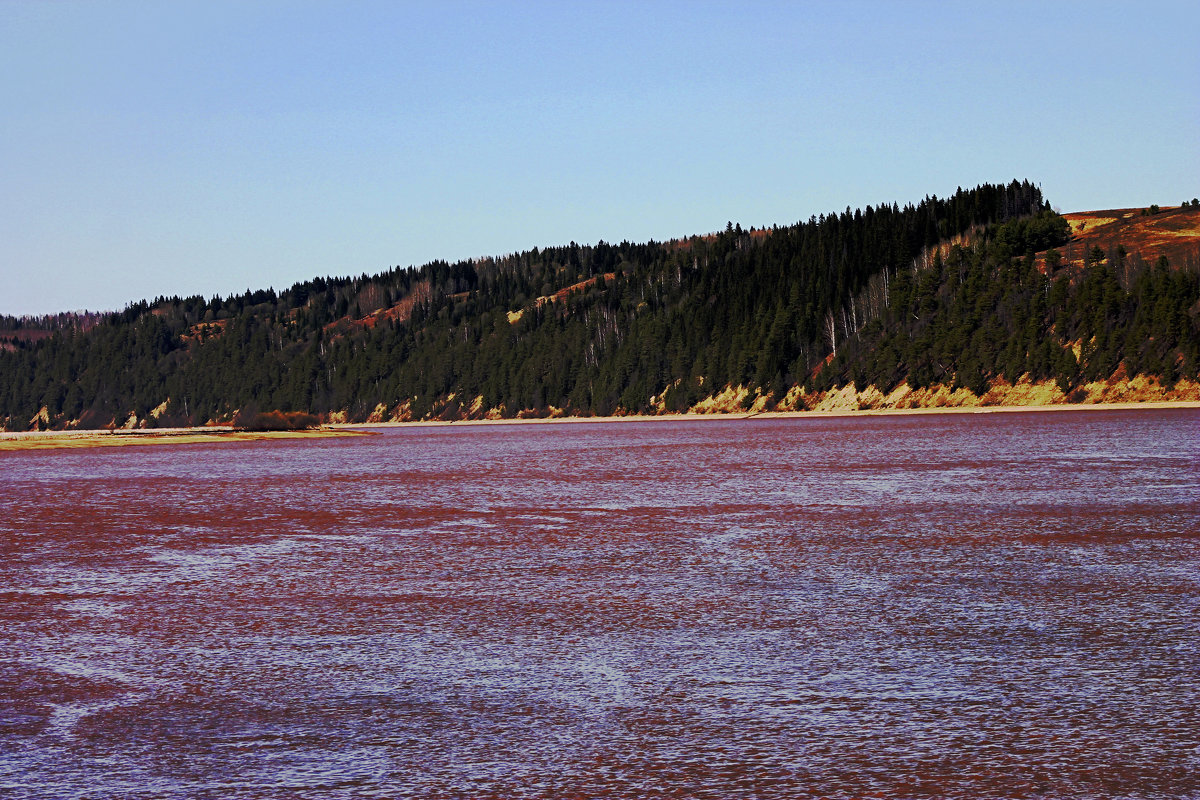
x=1081 y=321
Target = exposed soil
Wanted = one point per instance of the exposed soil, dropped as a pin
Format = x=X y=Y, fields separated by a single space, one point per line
x=1172 y=232
x=400 y=311
x=561 y=294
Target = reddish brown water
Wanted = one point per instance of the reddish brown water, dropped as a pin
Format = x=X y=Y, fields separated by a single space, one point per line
x=961 y=606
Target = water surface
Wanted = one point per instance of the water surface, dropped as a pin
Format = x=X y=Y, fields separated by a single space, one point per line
x=984 y=605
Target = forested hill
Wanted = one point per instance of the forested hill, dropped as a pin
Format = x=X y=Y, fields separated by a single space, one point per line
x=988 y=288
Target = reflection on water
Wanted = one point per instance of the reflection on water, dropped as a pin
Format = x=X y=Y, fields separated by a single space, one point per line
x=967 y=606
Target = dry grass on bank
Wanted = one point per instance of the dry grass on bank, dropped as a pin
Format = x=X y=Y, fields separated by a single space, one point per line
x=55 y=440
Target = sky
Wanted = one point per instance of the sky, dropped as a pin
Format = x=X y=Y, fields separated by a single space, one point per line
x=183 y=148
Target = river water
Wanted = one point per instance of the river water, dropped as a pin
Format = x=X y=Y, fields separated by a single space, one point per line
x=982 y=605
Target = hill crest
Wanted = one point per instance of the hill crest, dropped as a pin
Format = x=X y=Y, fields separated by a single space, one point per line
x=897 y=301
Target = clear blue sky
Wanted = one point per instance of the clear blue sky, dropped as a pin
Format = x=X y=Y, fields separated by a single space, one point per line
x=205 y=148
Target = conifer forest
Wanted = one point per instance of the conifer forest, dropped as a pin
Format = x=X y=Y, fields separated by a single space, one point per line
x=983 y=286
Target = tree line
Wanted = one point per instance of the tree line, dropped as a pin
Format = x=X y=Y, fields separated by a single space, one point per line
x=944 y=290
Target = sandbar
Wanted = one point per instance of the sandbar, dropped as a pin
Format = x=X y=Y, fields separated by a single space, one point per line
x=53 y=440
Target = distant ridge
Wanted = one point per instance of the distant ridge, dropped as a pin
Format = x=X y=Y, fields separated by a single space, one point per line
x=984 y=297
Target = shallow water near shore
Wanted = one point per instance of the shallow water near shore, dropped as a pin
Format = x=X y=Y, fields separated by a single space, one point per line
x=958 y=606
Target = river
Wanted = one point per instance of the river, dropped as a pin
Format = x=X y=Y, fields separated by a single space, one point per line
x=976 y=605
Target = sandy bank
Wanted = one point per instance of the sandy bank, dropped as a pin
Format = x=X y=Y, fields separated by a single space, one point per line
x=762 y=415
x=52 y=440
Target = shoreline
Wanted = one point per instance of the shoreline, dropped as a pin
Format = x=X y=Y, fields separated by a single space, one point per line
x=76 y=439
x=1149 y=405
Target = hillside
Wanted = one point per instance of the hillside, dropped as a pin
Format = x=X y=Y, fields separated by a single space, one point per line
x=985 y=296
x=1145 y=234
x=1108 y=314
